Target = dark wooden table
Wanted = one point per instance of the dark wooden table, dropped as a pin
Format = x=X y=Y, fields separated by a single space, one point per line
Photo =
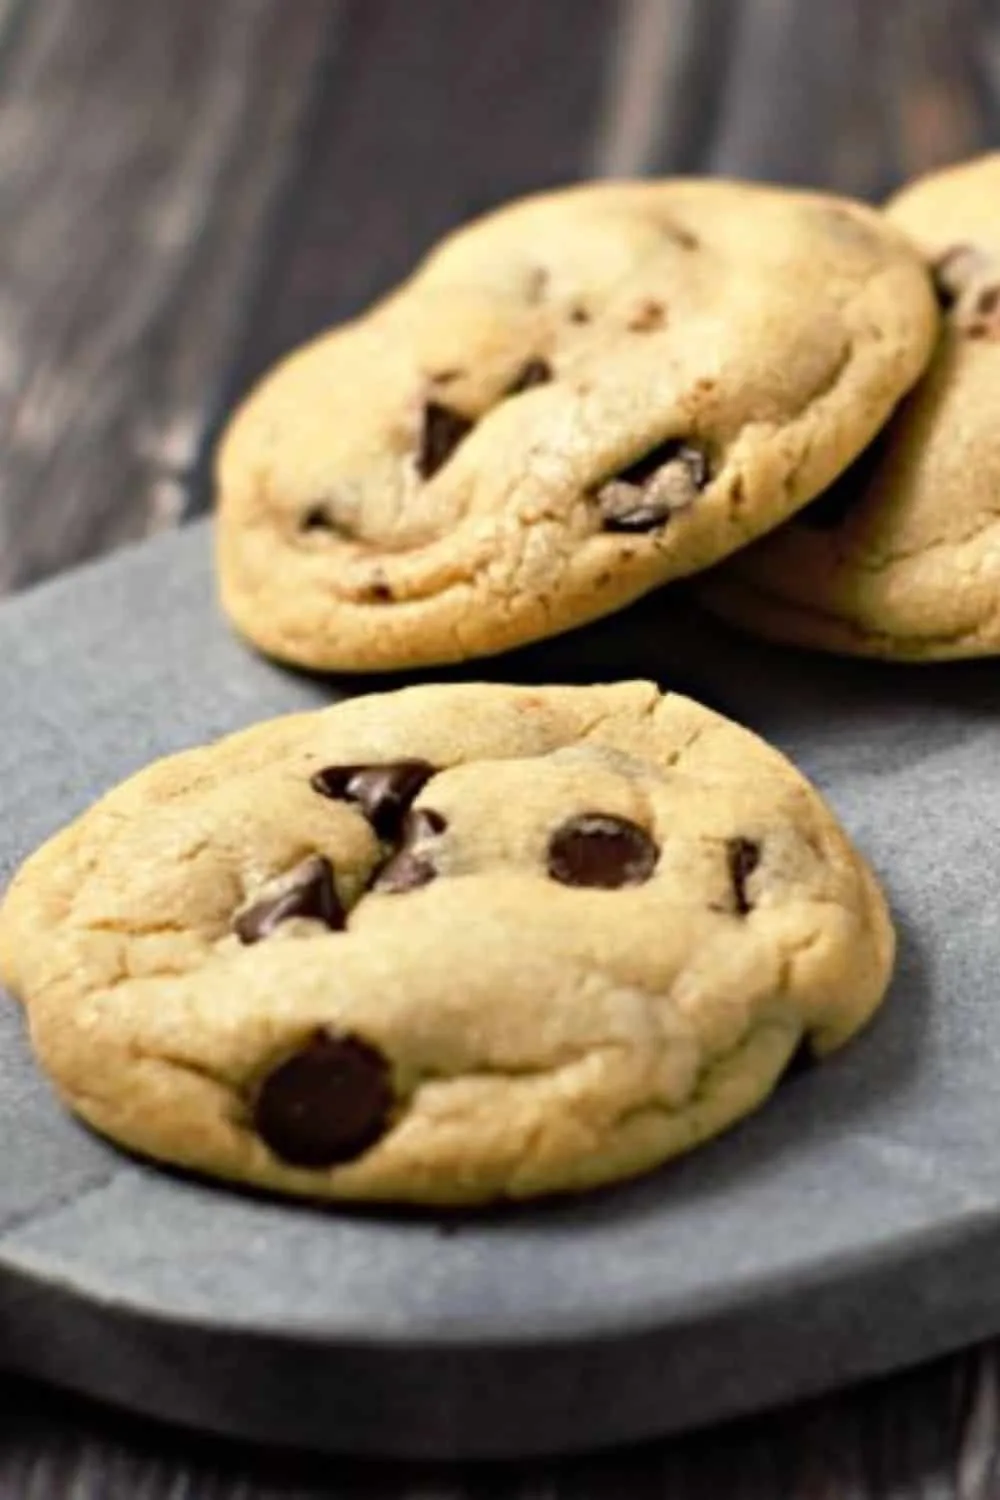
x=189 y=187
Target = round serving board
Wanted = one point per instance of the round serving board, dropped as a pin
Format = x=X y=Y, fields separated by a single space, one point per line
x=850 y=1226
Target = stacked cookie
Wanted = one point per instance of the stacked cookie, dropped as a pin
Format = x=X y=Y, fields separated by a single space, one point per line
x=573 y=401
x=460 y=943
x=901 y=558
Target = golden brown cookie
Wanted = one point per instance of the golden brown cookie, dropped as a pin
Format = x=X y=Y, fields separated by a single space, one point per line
x=573 y=400
x=901 y=559
x=446 y=945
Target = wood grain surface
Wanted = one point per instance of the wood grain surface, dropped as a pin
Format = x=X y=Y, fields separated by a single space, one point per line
x=189 y=188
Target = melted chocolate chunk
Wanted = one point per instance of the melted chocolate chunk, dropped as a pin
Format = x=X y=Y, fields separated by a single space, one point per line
x=742 y=858
x=328 y=1103
x=383 y=792
x=411 y=866
x=596 y=849
x=444 y=428
x=533 y=372
x=306 y=891
x=646 y=494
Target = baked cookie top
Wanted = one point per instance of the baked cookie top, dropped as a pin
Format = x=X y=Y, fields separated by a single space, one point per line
x=447 y=945
x=901 y=559
x=573 y=400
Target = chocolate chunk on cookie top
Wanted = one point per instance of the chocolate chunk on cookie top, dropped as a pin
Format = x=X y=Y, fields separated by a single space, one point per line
x=383 y=792
x=900 y=557
x=597 y=850
x=307 y=892
x=446 y=945
x=327 y=1103
x=571 y=401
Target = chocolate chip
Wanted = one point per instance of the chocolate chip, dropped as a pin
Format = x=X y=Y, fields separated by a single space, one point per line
x=327 y=1103
x=445 y=377
x=667 y=479
x=383 y=792
x=306 y=891
x=672 y=452
x=444 y=428
x=533 y=372
x=579 y=314
x=378 y=592
x=742 y=858
x=411 y=867
x=597 y=849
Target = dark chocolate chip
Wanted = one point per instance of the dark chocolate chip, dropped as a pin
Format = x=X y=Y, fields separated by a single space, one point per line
x=383 y=792
x=579 y=314
x=306 y=891
x=742 y=858
x=646 y=494
x=444 y=428
x=379 y=592
x=316 y=518
x=533 y=372
x=649 y=465
x=832 y=508
x=597 y=849
x=327 y=1103
x=410 y=866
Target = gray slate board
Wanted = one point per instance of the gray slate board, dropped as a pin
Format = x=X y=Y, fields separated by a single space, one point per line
x=851 y=1226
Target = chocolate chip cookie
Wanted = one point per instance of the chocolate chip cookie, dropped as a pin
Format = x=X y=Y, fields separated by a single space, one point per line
x=452 y=944
x=901 y=558
x=578 y=398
